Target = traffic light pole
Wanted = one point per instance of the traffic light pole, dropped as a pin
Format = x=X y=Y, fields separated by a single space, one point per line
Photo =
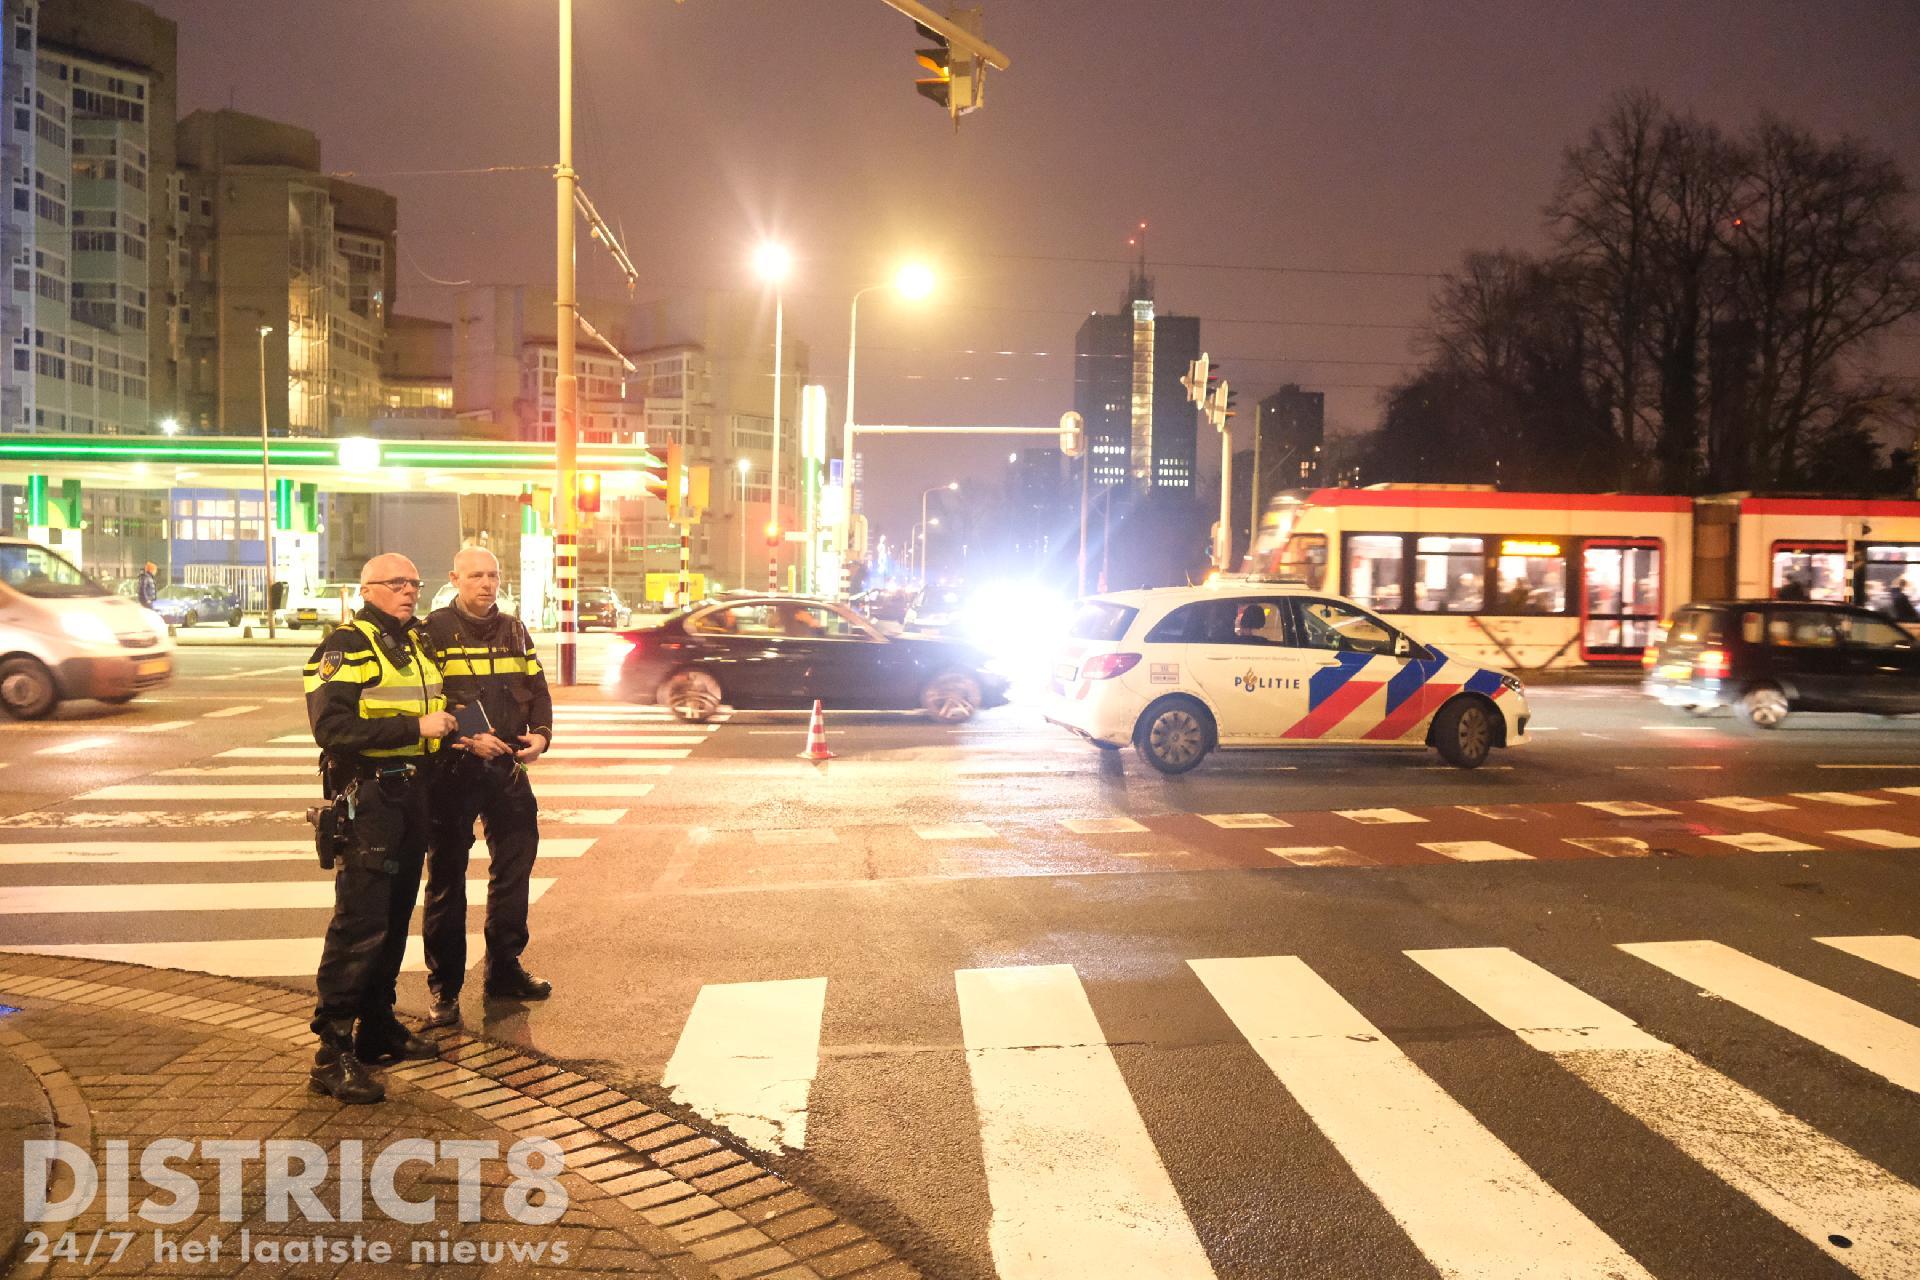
x=566 y=388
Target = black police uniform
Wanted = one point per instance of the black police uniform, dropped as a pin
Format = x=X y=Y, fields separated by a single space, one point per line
x=367 y=685
x=489 y=661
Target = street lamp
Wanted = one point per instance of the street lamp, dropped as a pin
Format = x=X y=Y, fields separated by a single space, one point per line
x=913 y=281
x=923 y=531
x=169 y=426
x=745 y=465
x=266 y=484
x=952 y=486
x=773 y=262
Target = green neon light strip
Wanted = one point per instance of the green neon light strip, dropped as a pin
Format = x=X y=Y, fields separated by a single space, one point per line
x=322 y=454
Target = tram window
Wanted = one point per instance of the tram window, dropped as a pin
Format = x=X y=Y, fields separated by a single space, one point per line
x=1808 y=573
x=1304 y=559
x=1531 y=582
x=1888 y=568
x=1375 y=570
x=1449 y=575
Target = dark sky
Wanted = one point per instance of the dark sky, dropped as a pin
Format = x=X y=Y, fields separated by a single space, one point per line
x=1303 y=167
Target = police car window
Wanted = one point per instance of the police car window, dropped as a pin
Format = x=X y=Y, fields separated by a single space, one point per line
x=1259 y=622
x=1326 y=624
x=1101 y=620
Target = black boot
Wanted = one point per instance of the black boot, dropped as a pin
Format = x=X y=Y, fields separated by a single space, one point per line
x=338 y=1073
x=384 y=1040
x=515 y=983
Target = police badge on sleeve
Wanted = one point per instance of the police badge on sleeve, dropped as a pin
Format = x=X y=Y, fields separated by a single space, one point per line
x=330 y=663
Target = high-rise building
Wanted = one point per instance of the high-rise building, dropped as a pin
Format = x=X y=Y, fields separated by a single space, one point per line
x=87 y=144
x=264 y=238
x=1291 y=426
x=1126 y=386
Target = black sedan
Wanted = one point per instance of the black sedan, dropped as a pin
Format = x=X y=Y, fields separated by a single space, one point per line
x=1769 y=657
x=601 y=607
x=773 y=651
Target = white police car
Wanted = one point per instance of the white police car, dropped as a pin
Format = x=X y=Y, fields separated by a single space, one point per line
x=1179 y=671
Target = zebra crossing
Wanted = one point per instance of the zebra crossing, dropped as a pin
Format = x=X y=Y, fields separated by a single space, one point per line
x=208 y=864
x=1076 y=1185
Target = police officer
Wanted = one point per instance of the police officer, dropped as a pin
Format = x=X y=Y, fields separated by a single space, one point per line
x=488 y=658
x=146 y=588
x=375 y=704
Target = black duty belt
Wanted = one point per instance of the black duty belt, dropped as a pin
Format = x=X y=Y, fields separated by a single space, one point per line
x=386 y=771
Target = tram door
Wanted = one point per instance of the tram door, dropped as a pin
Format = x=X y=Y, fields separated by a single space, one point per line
x=1621 y=594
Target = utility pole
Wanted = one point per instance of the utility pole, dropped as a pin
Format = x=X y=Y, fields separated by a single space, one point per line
x=266 y=484
x=566 y=388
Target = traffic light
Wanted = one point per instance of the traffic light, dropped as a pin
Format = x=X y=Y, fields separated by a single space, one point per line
x=587 y=491
x=676 y=481
x=957 y=79
x=1073 y=434
x=1196 y=380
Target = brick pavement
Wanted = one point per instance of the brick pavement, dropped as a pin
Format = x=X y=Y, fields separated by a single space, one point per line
x=95 y=1053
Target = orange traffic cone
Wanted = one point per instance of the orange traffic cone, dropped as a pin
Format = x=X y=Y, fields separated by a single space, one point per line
x=816 y=749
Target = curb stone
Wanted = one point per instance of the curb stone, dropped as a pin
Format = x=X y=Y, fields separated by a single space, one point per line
x=692 y=1202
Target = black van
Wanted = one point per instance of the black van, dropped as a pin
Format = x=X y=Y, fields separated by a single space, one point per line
x=1769 y=657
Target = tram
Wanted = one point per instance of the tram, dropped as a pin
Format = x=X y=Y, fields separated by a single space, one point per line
x=1530 y=581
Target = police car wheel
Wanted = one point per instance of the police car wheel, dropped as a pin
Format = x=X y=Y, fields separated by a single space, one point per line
x=1464 y=733
x=27 y=690
x=1174 y=735
x=691 y=695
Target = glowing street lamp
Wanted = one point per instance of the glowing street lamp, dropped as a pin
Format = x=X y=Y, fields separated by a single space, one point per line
x=772 y=262
x=913 y=281
x=169 y=426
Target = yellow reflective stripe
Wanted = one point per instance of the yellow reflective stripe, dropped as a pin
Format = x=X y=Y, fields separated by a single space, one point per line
x=494 y=666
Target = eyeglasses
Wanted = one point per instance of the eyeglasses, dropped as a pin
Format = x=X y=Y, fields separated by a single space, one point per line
x=397 y=584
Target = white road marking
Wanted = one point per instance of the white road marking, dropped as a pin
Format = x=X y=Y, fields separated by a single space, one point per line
x=1840 y=797
x=1903 y=791
x=958 y=831
x=309 y=771
x=1859 y=1033
x=1899 y=952
x=232 y=958
x=1744 y=804
x=1880 y=836
x=75 y=746
x=1764 y=842
x=1628 y=808
x=1234 y=821
x=111 y=852
x=149 y=819
x=1468 y=1203
x=795 y=835
x=1611 y=846
x=1475 y=851
x=1817 y=1187
x=1102 y=826
x=224 y=712
x=263 y=895
x=1318 y=855
x=566 y=737
x=1869 y=766
x=577 y=817
x=1378 y=816
x=747 y=1057
x=165 y=726
x=1075 y=1184
x=199 y=793
x=1493 y=811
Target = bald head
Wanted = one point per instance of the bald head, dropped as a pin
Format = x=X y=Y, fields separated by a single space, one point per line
x=376 y=578
x=476 y=579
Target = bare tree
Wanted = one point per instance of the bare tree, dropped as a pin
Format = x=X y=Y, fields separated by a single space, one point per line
x=1820 y=260
x=1603 y=210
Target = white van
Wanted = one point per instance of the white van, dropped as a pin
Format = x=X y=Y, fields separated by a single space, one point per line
x=63 y=635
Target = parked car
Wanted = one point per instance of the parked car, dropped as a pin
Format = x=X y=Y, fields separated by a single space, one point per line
x=321 y=605
x=602 y=607
x=783 y=651
x=1767 y=658
x=886 y=606
x=63 y=635
x=187 y=604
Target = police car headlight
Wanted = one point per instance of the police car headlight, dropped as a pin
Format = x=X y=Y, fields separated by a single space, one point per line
x=88 y=628
x=1511 y=685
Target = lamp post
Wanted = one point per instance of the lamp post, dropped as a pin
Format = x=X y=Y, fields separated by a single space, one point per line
x=773 y=262
x=924 y=531
x=951 y=486
x=266 y=483
x=566 y=389
x=914 y=281
x=743 y=466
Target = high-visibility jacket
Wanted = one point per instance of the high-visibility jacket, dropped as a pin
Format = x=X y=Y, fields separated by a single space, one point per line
x=491 y=661
x=367 y=685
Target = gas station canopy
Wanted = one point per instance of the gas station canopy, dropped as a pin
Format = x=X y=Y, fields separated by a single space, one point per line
x=352 y=465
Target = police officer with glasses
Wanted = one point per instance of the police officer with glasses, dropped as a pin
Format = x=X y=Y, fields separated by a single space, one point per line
x=489 y=661
x=378 y=712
